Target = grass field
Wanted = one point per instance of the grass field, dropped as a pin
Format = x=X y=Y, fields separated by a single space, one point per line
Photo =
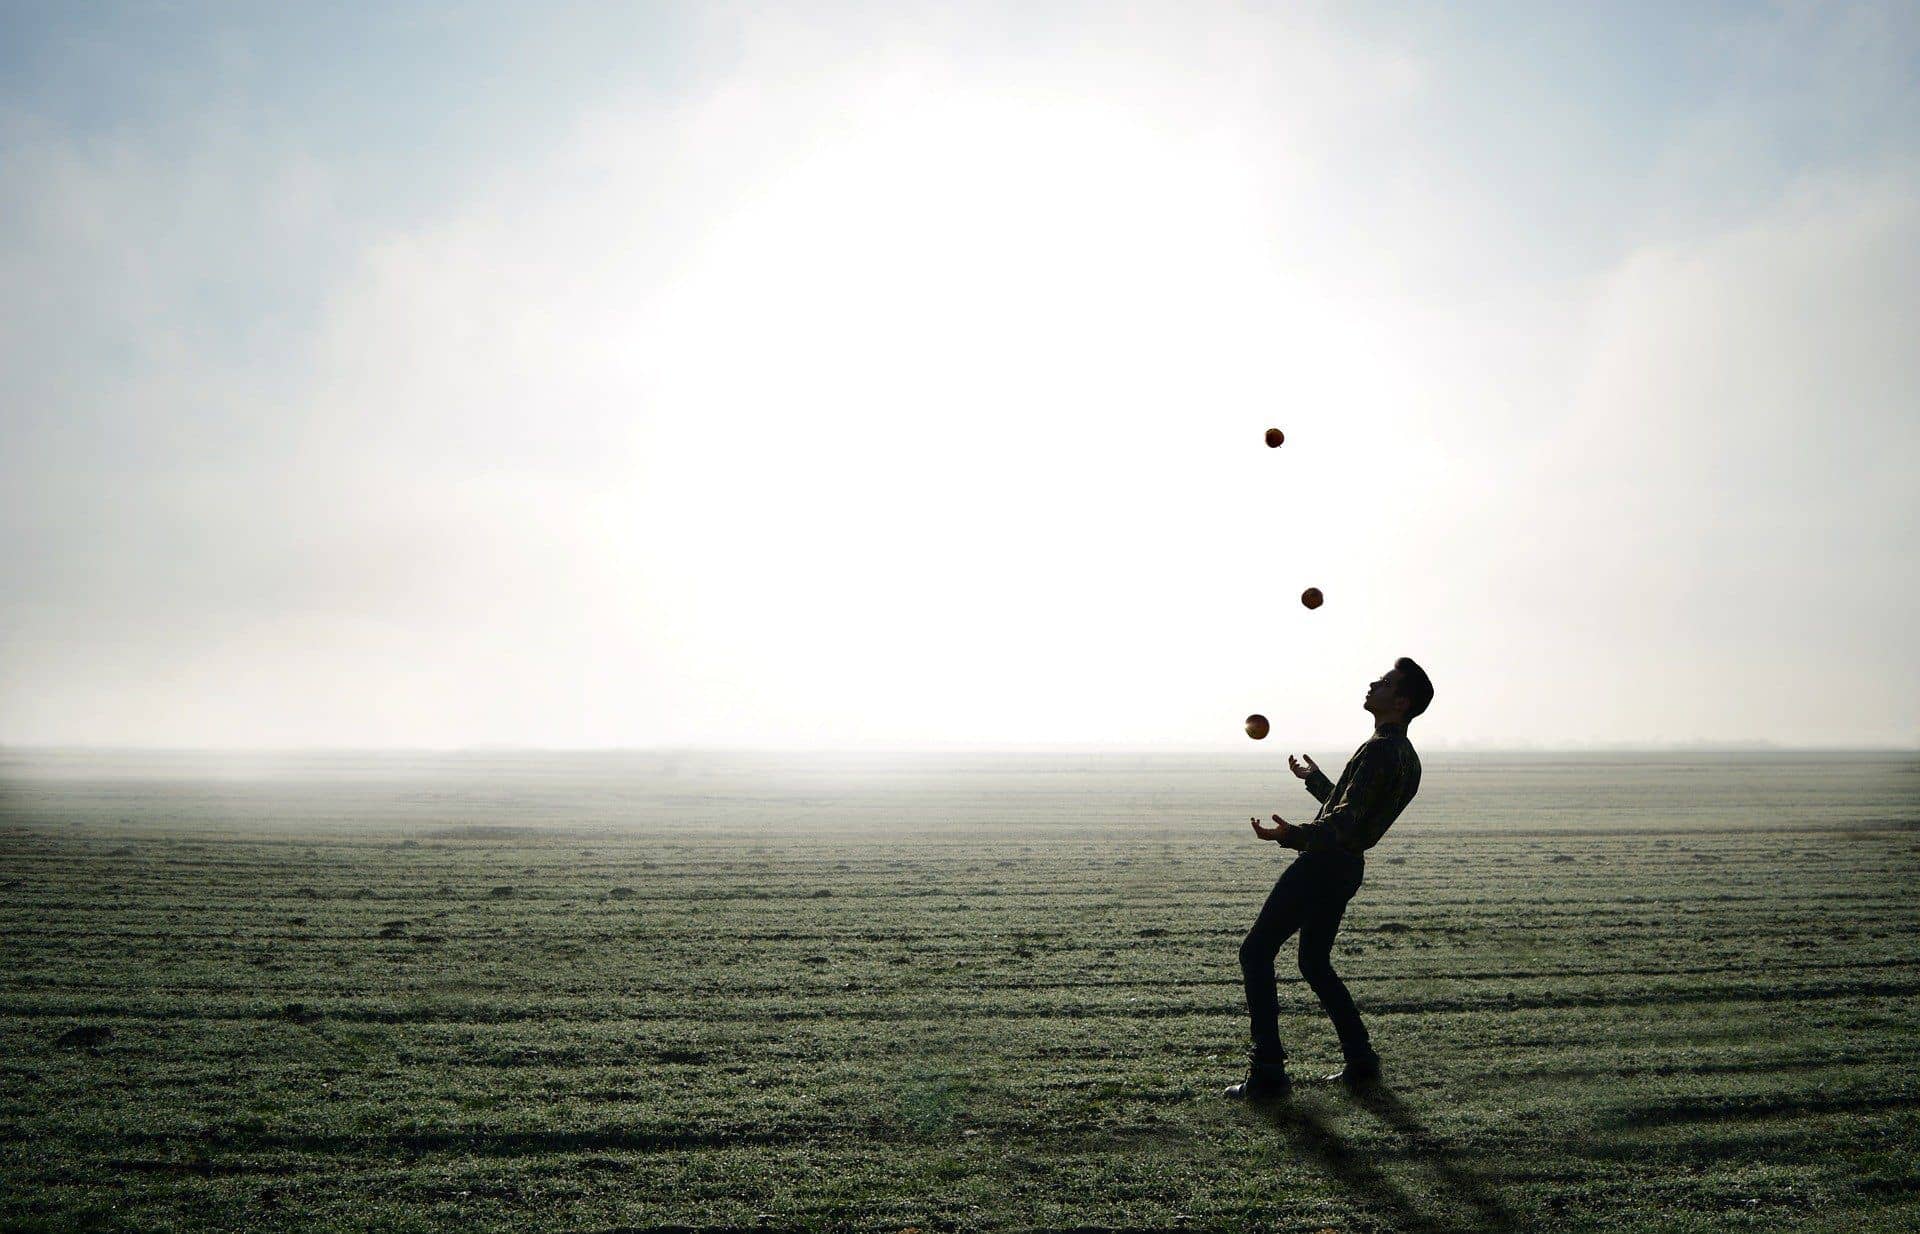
x=638 y=991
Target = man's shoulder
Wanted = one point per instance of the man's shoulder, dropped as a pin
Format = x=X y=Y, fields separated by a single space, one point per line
x=1394 y=745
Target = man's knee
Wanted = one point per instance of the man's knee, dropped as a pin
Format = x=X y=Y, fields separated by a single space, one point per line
x=1316 y=967
x=1256 y=953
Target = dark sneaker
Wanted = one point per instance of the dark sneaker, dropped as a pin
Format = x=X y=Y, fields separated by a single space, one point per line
x=1265 y=1082
x=1357 y=1073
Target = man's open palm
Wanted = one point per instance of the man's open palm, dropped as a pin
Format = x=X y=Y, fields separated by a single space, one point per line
x=1275 y=832
x=1303 y=770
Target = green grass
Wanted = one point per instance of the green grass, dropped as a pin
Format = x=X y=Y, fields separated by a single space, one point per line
x=320 y=1015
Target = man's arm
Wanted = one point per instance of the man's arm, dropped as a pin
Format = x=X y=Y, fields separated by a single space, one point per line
x=1358 y=818
x=1309 y=771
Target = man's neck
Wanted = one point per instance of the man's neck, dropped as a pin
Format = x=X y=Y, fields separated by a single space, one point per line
x=1389 y=728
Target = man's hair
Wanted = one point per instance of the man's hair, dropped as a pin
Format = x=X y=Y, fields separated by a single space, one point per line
x=1415 y=686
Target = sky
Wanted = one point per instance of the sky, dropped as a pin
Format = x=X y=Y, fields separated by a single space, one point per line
x=813 y=376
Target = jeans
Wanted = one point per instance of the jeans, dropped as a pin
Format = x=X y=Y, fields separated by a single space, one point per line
x=1310 y=897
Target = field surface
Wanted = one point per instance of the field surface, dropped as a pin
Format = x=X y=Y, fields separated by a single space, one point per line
x=1654 y=992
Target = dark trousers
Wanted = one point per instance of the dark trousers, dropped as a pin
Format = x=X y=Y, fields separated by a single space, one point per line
x=1310 y=897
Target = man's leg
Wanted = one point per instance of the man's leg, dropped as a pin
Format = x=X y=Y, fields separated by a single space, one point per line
x=1321 y=923
x=1280 y=916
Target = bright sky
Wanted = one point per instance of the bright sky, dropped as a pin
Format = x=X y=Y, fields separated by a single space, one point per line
x=895 y=375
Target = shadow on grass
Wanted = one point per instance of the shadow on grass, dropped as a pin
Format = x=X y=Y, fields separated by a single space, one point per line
x=474 y=1142
x=1746 y=1106
x=1473 y=1202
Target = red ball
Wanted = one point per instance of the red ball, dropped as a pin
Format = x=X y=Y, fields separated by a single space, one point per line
x=1275 y=437
x=1256 y=727
x=1312 y=598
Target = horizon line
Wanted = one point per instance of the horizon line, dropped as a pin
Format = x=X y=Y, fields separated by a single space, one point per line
x=1593 y=747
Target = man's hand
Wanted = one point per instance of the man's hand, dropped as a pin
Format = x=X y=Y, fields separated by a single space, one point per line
x=1277 y=833
x=1303 y=770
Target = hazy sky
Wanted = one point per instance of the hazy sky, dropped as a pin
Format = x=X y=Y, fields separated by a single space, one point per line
x=896 y=375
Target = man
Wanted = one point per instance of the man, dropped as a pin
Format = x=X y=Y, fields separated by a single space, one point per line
x=1379 y=780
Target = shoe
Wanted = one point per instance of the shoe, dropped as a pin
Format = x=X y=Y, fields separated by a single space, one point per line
x=1357 y=1074
x=1265 y=1082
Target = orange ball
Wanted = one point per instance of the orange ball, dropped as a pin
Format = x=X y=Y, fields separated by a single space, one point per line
x=1256 y=727
x=1275 y=437
x=1312 y=598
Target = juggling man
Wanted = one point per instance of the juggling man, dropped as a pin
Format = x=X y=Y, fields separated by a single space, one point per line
x=1379 y=780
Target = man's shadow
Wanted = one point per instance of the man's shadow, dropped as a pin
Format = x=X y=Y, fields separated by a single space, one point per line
x=1473 y=1204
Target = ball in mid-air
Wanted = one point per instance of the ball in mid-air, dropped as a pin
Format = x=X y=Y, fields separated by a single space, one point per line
x=1275 y=437
x=1312 y=598
x=1256 y=727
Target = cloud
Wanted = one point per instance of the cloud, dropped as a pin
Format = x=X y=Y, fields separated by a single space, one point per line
x=902 y=380
x=1734 y=479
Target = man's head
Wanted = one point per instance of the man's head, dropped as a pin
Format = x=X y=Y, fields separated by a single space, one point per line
x=1400 y=693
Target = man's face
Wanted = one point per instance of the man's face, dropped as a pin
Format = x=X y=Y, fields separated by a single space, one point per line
x=1384 y=693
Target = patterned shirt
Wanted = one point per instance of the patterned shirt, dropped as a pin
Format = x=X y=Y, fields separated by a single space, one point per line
x=1379 y=781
